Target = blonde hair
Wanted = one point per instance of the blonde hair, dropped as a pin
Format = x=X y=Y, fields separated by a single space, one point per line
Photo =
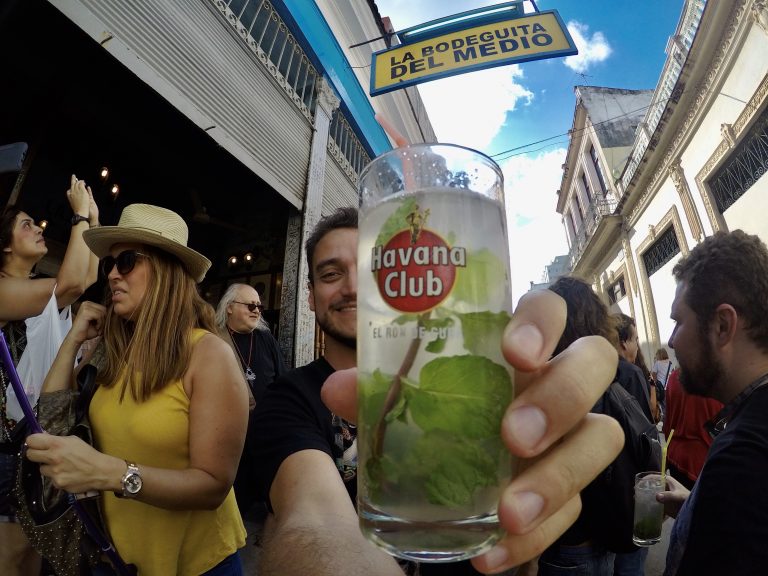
x=661 y=354
x=152 y=348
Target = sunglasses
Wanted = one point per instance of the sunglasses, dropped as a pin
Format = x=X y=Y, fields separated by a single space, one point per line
x=125 y=262
x=251 y=305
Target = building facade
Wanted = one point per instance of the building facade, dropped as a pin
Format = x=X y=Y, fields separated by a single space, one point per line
x=696 y=165
x=250 y=118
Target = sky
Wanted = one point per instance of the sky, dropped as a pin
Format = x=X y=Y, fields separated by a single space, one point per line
x=503 y=111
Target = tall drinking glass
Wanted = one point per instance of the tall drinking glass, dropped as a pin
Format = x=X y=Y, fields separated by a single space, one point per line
x=649 y=513
x=433 y=300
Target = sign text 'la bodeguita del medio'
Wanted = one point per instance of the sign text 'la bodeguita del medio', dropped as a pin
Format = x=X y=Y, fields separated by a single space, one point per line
x=531 y=37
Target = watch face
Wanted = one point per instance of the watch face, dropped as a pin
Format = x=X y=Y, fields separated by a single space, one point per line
x=132 y=483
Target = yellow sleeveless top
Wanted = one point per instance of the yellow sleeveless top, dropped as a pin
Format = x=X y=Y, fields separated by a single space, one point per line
x=156 y=433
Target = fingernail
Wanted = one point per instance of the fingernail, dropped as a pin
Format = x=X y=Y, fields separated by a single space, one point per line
x=526 y=426
x=496 y=556
x=527 y=340
x=528 y=506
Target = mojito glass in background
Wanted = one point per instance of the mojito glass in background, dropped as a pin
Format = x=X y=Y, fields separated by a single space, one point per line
x=649 y=513
x=433 y=300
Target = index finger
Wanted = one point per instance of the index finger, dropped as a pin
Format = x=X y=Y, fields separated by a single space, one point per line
x=535 y=329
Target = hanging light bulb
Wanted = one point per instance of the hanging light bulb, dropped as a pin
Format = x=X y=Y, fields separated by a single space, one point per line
x=248 y=258
x=115 y=190
x=232 y=261
x=104 y=173
x=43 y=224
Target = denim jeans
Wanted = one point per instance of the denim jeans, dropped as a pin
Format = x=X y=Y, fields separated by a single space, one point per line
x=576 y=561
x=631 y=563
x=230 y=566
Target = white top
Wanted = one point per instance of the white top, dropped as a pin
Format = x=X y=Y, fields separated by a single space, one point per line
x=661 y=368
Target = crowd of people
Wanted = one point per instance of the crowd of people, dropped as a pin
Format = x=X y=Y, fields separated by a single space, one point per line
x=197 y=421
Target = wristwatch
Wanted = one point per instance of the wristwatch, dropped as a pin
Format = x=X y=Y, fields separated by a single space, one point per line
x=131 y=481
x=77 y=218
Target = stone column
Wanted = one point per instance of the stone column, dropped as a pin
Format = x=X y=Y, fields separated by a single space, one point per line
x=677 y=175
x=304 y=337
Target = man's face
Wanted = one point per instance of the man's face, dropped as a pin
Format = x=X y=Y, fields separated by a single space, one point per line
x=239 y=317
x=700 y=370
x=333 y=296
x=630 y=346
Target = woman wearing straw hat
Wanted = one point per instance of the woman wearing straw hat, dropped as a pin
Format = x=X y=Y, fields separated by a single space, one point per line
x=169 y=416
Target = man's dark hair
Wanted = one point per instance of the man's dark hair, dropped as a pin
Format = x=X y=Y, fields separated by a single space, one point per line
x=728 y=268
x=624 y=325
x=587 y=315
x=342 y=218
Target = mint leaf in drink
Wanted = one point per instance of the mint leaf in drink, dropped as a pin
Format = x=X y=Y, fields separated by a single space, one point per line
x=375 y=387
x=487 y=274
x=396 y=222
x=439 y=328
x=451 y=468
x=482 y=331
x=467 y=393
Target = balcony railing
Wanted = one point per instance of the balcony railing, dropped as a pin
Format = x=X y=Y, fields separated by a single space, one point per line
x=266 y=34
x=595 y=214
x=345 y=146
x=665 y=89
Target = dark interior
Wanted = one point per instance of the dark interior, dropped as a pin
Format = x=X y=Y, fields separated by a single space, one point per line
x=80 y=110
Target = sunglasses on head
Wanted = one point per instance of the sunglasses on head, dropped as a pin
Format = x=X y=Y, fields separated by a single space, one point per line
x=251 y=305
x=125 y=262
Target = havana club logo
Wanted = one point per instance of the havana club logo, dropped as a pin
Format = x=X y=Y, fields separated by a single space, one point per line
x=416 y=269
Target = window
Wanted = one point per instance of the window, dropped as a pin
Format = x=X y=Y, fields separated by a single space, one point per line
x=598 y=168
x=586 y=185
x=747 y=163
x=578 y=208
x=617 y=291
x=662 y=251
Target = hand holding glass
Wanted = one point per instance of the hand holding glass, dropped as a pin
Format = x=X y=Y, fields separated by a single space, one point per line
x=433 y=301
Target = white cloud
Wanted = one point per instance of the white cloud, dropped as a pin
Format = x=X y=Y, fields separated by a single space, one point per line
x=470 y=109
x=536 y=234
x=591 y=49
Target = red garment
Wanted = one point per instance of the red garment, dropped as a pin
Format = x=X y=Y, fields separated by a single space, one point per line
x=687 y=414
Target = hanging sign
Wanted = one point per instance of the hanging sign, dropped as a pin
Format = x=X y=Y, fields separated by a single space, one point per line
x=484 y=38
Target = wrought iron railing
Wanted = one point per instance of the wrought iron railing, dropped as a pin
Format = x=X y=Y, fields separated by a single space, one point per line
x=346 y=147
x=266 y=34
x=665 y=89
x=263 y=30
x=594 y=215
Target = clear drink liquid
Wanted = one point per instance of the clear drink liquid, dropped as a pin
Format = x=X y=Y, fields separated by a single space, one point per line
x=433 y=299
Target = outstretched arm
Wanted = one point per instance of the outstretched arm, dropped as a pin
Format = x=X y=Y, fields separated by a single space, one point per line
x=315 y=528
x=547 y=423
x=73 y=277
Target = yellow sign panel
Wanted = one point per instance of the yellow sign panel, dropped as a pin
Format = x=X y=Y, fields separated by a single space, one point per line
x=533 y=37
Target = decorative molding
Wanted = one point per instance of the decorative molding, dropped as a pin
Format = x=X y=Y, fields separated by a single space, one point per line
x=738 y=128
x=326 y=96
x=343 y=163
x=677 y=174
x=671 y=218
x=263 y=58
x=290 y=286
x=629 y=262
x=726 y=131
x=760 y=14
x=704 y=92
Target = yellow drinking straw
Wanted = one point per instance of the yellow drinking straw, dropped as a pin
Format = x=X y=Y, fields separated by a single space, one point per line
x=664 y=459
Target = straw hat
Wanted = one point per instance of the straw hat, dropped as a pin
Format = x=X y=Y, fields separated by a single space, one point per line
x=152 y=226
